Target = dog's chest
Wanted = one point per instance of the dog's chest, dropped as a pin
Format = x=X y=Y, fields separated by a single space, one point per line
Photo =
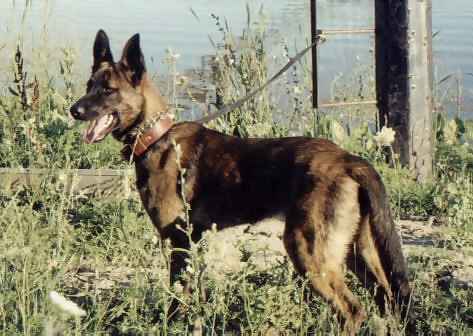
x=158 y=184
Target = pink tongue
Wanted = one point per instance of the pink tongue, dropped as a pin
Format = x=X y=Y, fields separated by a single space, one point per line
x=97 y=130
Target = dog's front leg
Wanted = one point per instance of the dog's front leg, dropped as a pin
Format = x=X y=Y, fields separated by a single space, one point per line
x=180 y=244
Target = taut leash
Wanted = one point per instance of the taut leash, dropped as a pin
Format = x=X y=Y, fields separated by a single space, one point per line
x=229 y=108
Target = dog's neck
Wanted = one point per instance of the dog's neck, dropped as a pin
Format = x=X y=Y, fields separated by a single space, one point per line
x=154 y=104
x=155 y=122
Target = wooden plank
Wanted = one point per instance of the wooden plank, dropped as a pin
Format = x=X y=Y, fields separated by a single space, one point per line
x=420 y=80
x=85 y=182
x=340 y=31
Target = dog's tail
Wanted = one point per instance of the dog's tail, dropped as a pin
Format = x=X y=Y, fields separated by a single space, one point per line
x=374 y=198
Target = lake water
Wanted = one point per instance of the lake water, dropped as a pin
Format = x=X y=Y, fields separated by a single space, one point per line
x=172 y=24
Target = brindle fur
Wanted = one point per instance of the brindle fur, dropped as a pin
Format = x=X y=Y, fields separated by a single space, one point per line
x=335 y=204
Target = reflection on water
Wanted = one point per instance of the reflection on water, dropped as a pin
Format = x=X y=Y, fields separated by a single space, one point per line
x=165 y=24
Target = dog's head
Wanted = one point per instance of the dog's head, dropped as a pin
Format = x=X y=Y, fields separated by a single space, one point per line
x=114 y=101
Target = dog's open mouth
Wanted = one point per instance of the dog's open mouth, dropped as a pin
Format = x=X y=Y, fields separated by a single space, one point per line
x=99 y=128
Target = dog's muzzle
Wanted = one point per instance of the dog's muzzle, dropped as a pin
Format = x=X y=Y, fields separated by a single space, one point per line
x=77 y=112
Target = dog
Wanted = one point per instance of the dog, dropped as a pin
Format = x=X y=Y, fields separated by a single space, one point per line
x=336 y=209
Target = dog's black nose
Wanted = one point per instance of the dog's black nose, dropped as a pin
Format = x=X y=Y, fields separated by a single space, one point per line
x=77 y=111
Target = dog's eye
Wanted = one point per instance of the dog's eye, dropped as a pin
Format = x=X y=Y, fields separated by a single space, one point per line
x=108 y=91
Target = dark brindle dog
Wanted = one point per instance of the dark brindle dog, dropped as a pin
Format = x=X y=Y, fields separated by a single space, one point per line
x=335 y=204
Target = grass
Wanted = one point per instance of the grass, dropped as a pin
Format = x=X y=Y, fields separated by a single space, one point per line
x=104 y=254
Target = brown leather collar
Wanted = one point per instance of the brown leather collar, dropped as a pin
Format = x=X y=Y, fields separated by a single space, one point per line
x=150 y=136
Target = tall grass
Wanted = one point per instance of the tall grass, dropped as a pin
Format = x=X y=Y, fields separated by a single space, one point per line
x=103 y=254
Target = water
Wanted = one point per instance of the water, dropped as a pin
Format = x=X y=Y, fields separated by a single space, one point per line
x=171 y=24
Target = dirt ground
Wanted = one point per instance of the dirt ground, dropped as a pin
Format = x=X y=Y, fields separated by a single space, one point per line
x=260 y=245
x=263 y=243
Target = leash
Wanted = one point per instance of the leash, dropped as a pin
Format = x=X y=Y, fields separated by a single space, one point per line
x=146 y=138
x=229 y=108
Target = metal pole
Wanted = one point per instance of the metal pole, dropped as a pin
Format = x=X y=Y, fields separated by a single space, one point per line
x=313 y=22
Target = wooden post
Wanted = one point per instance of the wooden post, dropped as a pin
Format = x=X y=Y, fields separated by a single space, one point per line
x=404 y=79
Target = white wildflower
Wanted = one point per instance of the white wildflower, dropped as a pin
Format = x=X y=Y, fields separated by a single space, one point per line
x=297 y=90
x=65 y=305
x=385 y=137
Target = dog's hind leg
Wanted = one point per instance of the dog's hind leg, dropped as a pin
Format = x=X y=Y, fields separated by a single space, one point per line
x=318 y=231
x=365 y=262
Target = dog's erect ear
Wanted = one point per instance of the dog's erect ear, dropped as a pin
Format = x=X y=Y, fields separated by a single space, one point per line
x=102 y=52
x=133 y=59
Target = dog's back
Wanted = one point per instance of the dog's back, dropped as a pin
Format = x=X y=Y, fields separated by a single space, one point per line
x=248 y=179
